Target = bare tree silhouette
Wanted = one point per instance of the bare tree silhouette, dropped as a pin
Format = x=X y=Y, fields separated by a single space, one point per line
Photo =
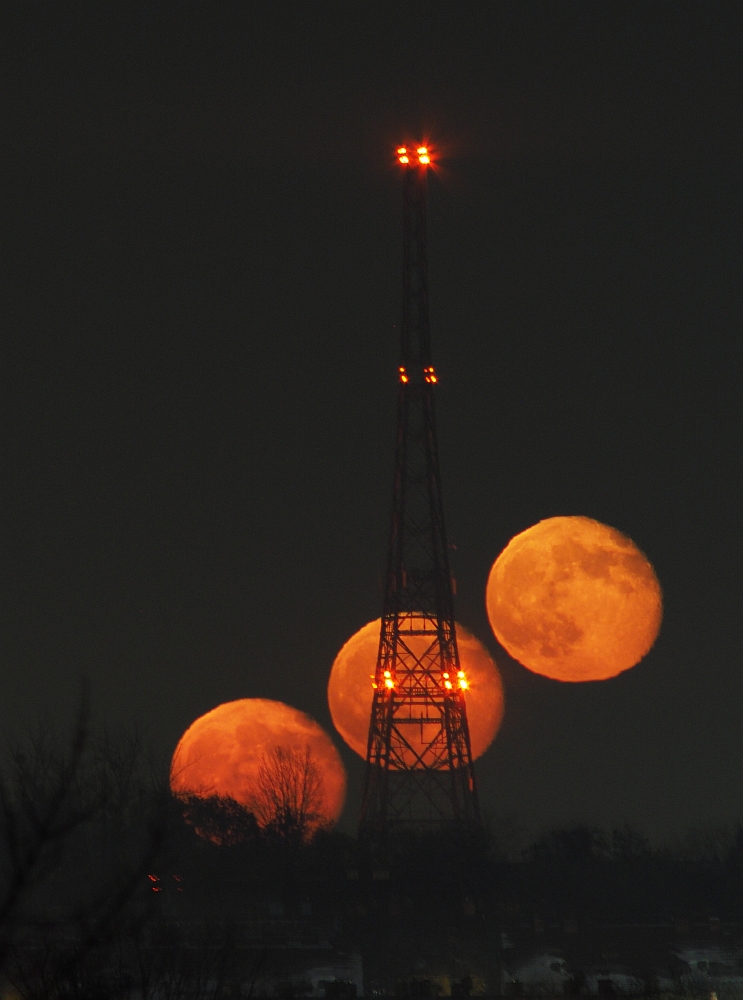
x=78 y=828
x=39 y=810
x=289 y=798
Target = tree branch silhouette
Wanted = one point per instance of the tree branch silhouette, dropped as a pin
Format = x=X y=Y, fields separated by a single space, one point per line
x=289 y=796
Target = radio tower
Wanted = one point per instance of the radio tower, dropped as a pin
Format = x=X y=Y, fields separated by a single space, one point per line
x=419 y=771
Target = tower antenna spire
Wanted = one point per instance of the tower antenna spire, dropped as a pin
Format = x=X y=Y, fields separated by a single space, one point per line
x=419 y=769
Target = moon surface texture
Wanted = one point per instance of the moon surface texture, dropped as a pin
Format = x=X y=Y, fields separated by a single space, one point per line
x=221 y=753
x=350 y=689
x=574 y=600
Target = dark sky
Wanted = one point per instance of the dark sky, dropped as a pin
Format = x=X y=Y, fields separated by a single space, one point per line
x=201 y=256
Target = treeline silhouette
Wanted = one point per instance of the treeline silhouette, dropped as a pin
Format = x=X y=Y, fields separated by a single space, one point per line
x=109 y=884
x=616 y=875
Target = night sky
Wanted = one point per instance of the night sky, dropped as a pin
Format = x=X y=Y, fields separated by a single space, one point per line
x=201 y=255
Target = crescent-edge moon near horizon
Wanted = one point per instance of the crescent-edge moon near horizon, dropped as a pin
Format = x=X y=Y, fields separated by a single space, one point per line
x=222 y=751
x=575 y=600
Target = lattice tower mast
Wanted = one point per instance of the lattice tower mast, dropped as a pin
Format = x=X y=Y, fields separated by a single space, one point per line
x=419 y=770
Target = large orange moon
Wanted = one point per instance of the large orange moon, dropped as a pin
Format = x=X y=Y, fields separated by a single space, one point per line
x=350 y=689
x=573 y=599
x=222 y=752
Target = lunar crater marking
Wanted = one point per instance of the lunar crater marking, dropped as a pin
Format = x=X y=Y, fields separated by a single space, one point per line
x=574 y=599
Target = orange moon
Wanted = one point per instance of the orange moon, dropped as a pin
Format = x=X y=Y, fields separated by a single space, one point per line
x=574 y=600
x=350 y=689
x=222 y=752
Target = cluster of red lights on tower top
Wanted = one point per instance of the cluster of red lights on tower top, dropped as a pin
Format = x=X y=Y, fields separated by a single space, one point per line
x=404 y=155
x=429 y=374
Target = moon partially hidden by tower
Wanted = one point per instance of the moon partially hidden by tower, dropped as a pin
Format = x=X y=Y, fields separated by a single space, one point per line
x=350 y=689
x=575 y=600
x=221 y=752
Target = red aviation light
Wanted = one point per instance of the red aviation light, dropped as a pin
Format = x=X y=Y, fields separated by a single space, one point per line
x=403 y=374
x=422 y=152
x=430 y=375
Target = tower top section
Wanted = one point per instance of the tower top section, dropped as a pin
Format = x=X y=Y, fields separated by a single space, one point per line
x=414 y=156
x=415 y=335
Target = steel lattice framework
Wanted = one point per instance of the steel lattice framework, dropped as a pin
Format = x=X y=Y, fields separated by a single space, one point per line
x=419 y=770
